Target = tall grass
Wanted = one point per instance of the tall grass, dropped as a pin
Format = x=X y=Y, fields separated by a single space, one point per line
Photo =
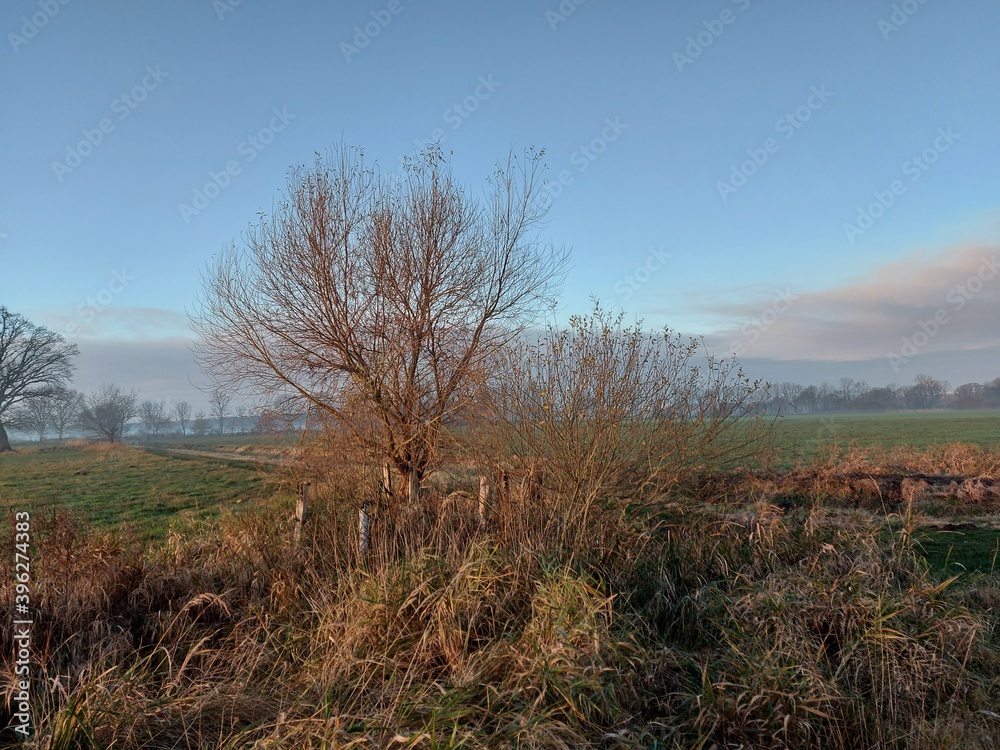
x=743 y=625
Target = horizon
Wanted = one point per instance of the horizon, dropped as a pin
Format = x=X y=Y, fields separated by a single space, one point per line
x=821 y=220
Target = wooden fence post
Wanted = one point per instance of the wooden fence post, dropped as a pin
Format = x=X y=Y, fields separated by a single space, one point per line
x=485 y=499
x=301 y=509
x=387 y=480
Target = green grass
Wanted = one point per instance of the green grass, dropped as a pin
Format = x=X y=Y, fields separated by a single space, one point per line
x=128 y=485
x=961 y=551
x=207 y=442
x=802 y=436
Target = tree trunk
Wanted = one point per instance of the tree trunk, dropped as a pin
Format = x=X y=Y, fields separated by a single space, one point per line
x=4 y=442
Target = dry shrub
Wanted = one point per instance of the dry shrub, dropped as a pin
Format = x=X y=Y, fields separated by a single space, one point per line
x=959 y=459
x=601 y=415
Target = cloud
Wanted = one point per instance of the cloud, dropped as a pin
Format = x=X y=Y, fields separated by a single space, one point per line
x=88 y=322
x=159 y=368
x=928 y=304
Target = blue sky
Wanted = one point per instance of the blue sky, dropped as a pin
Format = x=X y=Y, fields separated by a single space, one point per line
x=806 y=183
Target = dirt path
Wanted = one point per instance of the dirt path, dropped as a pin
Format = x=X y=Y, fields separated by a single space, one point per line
x=220 y=456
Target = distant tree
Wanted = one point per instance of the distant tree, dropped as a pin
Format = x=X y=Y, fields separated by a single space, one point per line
x=846 y=390
x=969 y=396
x=33 y=416
x=807 y=399
x=107 y=411
x=828 y=398
x=182 y=413
x=219 y=404
x=66 y=407
x=201 y=424
x=877 y=399
x=269 y=421
x=925 y=393
x=153 y=415
x=790 y=394
x=241 y=414
x=991 y=394
x=34 y=363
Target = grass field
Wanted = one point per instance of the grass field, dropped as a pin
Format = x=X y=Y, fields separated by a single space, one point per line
x=804 y=436
x=108 y=485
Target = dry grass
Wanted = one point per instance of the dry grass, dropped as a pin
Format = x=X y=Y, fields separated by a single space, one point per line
x=748 y=624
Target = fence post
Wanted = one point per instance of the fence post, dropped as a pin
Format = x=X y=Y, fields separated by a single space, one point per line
x=386 y=480
x=485 y=498
x=301 y=509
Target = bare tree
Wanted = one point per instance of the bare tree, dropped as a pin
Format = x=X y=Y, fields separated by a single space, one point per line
x=219 y=403
x=925 y=393
x=34 y=363
x=153 y=415
x=182 y=413
x=66 y=407
x=107 y=411
x=790 y=393
x=201 y=425
x=377 y=300
x=807 y=399
x=241 y=414
x=34 y=416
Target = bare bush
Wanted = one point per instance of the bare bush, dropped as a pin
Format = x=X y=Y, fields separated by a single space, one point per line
x=606 y=412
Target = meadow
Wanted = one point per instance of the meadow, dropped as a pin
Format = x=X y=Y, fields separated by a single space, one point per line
x=803 y=603
x=803 y=435
x=106 y=485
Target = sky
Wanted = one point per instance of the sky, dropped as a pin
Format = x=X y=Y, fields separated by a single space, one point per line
x=809 y=185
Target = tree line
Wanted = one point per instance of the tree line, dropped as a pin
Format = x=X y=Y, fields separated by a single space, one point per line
x=111 y=413
x=849 y=394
